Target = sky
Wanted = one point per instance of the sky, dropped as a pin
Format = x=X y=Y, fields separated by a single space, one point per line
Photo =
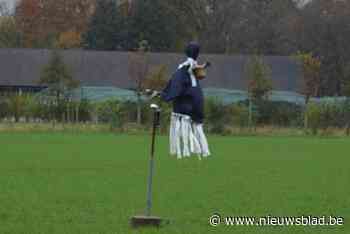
x=10 y=3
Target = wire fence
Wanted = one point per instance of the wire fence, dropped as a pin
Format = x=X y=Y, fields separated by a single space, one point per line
x=226 y=96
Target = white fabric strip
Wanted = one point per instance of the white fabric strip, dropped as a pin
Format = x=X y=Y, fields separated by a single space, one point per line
x=192 y=63
x=185 y=124
x=195 y=146
x=178 y=138
x=187 y=138
x=202 y=140
x=172 y=136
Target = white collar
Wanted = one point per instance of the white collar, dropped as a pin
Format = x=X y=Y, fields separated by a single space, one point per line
x=192 y=64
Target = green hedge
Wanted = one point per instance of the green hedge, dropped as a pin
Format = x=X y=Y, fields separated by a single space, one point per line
x=220 y=117
x=320 y=116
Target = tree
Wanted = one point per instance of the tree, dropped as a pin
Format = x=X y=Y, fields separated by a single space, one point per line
x=138 y=70
x=156 y=78
x=59 y=16
x=17 y=104
x=240 y=26
x=323 y=31
x=346 y=92
x=27 y=16
x=124 y=25
x=43 y=22
x=102 y=29
x=57 y=76
x=311 y=67
x=258 y=75
x=10 y=37
x=69 y=39
x=160 y=30
x=346 y=84
x=198 y=12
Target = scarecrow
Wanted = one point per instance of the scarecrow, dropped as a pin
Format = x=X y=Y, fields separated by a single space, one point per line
x=184 y=91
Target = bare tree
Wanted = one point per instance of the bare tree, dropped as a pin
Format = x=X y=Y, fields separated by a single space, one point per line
x=138 y=70
x=323 y=30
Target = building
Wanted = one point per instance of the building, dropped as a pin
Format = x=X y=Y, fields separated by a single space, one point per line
x=20 y=69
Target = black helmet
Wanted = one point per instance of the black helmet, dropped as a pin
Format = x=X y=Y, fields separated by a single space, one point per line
x=192 y=50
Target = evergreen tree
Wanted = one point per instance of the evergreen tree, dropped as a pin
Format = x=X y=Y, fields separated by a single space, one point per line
x=102 y=29
x=57 y=77
x=155 y=22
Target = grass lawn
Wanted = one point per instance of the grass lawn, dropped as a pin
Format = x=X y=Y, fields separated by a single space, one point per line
x=93 y=183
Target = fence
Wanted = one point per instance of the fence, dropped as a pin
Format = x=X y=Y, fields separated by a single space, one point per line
x=225 y=110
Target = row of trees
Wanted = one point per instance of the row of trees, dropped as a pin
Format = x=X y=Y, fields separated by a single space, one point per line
x=323 y=118
x=58 y=78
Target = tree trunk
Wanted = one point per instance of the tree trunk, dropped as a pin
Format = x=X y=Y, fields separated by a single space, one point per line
x=250 y=121
x=77 y=113
x=138 y=108
x=63 y=117
x=68 y=113
x=306 y=120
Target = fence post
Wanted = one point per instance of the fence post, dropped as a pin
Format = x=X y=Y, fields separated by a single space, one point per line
x=250 y=112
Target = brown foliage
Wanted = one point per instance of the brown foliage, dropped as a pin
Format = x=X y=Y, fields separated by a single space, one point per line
x=157 y=78
x=27 y=19
x=311 y=75
x=69 y=39
x=39 y=19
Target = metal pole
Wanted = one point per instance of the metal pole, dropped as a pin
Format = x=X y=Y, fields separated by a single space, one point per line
x=151 y=163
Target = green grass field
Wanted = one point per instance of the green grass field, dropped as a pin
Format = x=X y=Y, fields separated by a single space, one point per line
x=93 y=183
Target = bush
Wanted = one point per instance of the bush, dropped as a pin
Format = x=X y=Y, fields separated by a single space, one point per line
x=165 y=116
x=313 y=115
x=18 y=106
x=220 y=118
x=239 y=115
x=347 y=116
x=282 y=114
x=279 y=114
x=85 y=109
x=4 y=109
x=326 y=115
x=217 y=116
x=110 y=112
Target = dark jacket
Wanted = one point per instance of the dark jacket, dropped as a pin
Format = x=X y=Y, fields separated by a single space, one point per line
x=186 y=99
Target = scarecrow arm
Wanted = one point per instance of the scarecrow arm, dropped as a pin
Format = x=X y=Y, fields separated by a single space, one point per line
x=174 y=88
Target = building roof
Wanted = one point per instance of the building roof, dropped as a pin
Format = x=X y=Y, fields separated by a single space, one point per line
x=102 y=68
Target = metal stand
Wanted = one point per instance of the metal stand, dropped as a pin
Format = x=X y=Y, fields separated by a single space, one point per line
x=147 y=219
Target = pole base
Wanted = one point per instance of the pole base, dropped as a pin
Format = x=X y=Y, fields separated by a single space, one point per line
x=145 y=221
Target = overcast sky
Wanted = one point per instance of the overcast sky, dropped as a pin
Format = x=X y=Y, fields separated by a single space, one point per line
x=10 y=3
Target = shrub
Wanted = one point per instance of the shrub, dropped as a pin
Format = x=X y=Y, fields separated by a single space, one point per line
x=279 y=113
x=313 y=114
x=4 y=108
x=326 y=115
x=110 y=112
x=216 y=115
x=258 y=74
x=347 y=116
x=17 y=105
x=85 y=109
x=239 y=115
